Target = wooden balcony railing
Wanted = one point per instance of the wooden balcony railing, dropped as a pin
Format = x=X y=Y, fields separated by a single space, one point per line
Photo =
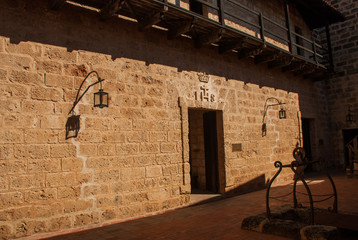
x=229 y=25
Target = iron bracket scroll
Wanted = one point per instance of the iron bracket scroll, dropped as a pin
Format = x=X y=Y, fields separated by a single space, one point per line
x=298 y=167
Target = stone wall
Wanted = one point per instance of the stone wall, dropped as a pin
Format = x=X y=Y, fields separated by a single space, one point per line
x=132 y=158
x=342 y=88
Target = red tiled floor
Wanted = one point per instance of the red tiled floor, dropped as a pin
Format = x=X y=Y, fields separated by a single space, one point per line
x=220 y=219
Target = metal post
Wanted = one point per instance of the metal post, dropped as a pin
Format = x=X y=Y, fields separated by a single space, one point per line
x=262 y=30
x=288 y=25
x=221 y=12
x=329 y=45
x=314 y=51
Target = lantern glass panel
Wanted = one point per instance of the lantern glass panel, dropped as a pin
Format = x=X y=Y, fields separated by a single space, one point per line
x=101 y=99
x=282 y=114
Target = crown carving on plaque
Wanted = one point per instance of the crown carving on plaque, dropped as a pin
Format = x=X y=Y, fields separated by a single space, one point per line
x=203 y=77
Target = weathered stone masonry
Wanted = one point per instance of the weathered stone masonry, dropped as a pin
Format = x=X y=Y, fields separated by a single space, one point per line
x=132 y=158
x=342 y=87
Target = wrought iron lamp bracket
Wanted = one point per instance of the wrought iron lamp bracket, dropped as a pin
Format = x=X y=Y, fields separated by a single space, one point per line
x=282 y=112
x=78 y=98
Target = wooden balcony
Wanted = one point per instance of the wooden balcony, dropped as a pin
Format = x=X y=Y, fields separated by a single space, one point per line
x=249 y=34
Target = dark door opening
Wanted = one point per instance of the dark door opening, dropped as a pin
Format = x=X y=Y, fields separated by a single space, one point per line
x=306 y=134
x=349 y=136
x=205 y=139
x=211 y=151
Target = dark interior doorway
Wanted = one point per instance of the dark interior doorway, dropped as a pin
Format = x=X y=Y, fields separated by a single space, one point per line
x=205 y=141
x=306 y=135
x=348 y=136
x=196 y=6
x=211 y=151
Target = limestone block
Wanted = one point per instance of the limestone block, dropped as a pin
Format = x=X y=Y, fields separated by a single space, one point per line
x=88 y=149
x=49 y=66
x=59 y=54
x=72 y=164
x=13 y=214
x=54 y=80
x=10 y=199
x=122 y=124
x=109 y=214
x=44 y=165
x=161 y=195
x=46 y=94
x=40 y=195
x=26 y=48
x=14 y=91
x=12 y=166
x=84 y=219
x=26 y=78
x=128 y=174
x=106 y=176
x=61 y=179
x=39 y=108
x=168 y=147
x=60 y=223
x=27 y=228
x=127 y=148
x=75 y=70
x=27 y=181
x=153 y=171
x=68 y=192
x=107 y=150
x=6 y=151
x=63 y=151
x=149 y=148
x=97 y=162
x=40 y=136
x=10 y=106
x=4 y=183
x=157 y=136
x=163 y=159
x=71 y=206
x=129 y=198
x=15 y=61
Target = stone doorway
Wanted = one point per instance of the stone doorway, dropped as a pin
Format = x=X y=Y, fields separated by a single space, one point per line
x=306 y=135
x=350 y=137
x=206 y=151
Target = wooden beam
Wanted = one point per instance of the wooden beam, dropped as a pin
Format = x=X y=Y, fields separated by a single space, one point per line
x=267 y=57
x=148 y=21
x=305 y=71
x=111 y=8
x=249 y=52
x=56 y=4
x=294 y=66
x=207 y=39
x=181 y=28
x=279 y=63
x=232 y=45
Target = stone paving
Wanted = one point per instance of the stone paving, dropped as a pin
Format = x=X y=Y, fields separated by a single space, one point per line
x=220 y=219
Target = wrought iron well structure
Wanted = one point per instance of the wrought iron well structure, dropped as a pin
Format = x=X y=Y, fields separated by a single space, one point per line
x=298 y=167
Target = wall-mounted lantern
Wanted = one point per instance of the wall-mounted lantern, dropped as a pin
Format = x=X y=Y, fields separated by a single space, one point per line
x=350 y=118
x=281 y=113
x=100 y=100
